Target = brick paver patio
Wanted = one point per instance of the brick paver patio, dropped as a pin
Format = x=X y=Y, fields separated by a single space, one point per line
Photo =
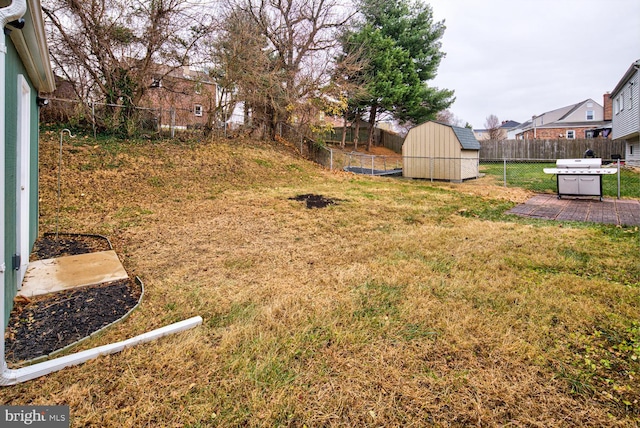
x=624 y=212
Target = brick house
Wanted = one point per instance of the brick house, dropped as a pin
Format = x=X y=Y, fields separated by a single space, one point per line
x=185 y=97
x=586 y=119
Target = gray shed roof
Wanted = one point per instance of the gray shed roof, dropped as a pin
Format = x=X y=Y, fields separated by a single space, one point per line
x=466 y=138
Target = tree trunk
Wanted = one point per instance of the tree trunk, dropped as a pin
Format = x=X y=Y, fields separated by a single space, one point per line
x=372 y=122
x=356 y=137
x=344 y=130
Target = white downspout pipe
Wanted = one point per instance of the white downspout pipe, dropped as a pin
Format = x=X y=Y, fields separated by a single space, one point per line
x=14 y=376
x=14 y=11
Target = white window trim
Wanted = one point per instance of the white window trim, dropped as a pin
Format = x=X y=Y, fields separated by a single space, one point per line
x=573 y=133
x=197 y=110
x=593 y=115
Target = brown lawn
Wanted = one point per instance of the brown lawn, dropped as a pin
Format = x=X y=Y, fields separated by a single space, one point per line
x=406 y=304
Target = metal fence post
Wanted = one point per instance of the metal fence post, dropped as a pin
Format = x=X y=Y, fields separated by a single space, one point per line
x=93 y=118
x=504 y=176
x=330 y=159
x=172 y=122
x=618 y=178
x=431 y=169
x=372 y=159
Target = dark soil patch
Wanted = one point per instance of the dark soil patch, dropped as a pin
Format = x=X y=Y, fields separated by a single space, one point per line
x=315 y=201
x=50 y=323
x=44 y=324
x=65 y=244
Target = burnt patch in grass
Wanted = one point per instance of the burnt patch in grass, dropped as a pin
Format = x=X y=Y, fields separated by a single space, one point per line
x=315 y=201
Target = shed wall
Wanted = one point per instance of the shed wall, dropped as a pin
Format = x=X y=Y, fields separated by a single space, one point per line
x=432 y=151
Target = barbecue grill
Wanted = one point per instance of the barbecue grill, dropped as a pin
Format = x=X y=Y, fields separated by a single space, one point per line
x=579 y=177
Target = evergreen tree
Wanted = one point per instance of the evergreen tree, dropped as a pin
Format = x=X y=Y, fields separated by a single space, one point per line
x=402 y=45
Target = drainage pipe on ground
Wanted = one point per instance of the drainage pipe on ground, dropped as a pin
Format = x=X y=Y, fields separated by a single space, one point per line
x=15 y=376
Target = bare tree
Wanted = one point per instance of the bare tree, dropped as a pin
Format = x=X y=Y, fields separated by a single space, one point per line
x=300 y=35
x=243 y=69
x=111 y=48
x=492 y=125
x=447 y=116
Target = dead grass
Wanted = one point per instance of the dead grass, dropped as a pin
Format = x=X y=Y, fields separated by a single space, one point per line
x=387 y=309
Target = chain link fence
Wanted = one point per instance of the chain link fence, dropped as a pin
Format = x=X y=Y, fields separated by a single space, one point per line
x=165 y=121
x=529 y=174
x=524 y=173
x=171 y=122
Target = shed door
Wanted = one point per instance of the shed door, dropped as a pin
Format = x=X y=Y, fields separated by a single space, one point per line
x=23 y=164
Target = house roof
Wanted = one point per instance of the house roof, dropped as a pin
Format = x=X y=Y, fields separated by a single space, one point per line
x=466 y=138
x=625 y=78
x=510 y=124
x=31 y=44
x=558 y=118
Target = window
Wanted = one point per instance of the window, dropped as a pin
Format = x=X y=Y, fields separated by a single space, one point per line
x=198 y=89
x=197 y=110
x=621 y=100
x=630 y=94
x=630 y=149
x=617 y=105
x=571 y=134
x=590 y=114
x=589 y=134
x=156 y=82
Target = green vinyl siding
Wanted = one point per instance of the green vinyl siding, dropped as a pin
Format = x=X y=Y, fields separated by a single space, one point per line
x=14 y=67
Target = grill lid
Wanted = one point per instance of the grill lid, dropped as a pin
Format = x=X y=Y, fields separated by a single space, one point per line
x=583 y=163
x=584 y=166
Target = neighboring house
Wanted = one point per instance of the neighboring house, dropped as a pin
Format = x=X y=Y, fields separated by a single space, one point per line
x=64 y=103
x=505 y=128
x=185 y=96
x=626 y=113
x=439 y=151
x=25 y=71
x=586 y=119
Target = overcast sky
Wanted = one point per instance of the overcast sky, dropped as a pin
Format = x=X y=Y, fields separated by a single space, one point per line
x=517 y=58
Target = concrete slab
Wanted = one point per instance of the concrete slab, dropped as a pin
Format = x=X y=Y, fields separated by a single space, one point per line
x=64 y=273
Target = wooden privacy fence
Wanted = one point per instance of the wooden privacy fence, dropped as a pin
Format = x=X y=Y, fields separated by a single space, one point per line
x=550 y=149
x=380 y=137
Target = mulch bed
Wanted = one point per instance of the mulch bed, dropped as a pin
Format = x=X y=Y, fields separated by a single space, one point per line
x=44 y=324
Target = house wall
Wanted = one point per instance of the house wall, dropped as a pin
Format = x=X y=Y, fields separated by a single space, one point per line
x=580 y=114
x=181 y=95
x=432 y=150
x=14 y=68
x=553 y=133
x=625 y=120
